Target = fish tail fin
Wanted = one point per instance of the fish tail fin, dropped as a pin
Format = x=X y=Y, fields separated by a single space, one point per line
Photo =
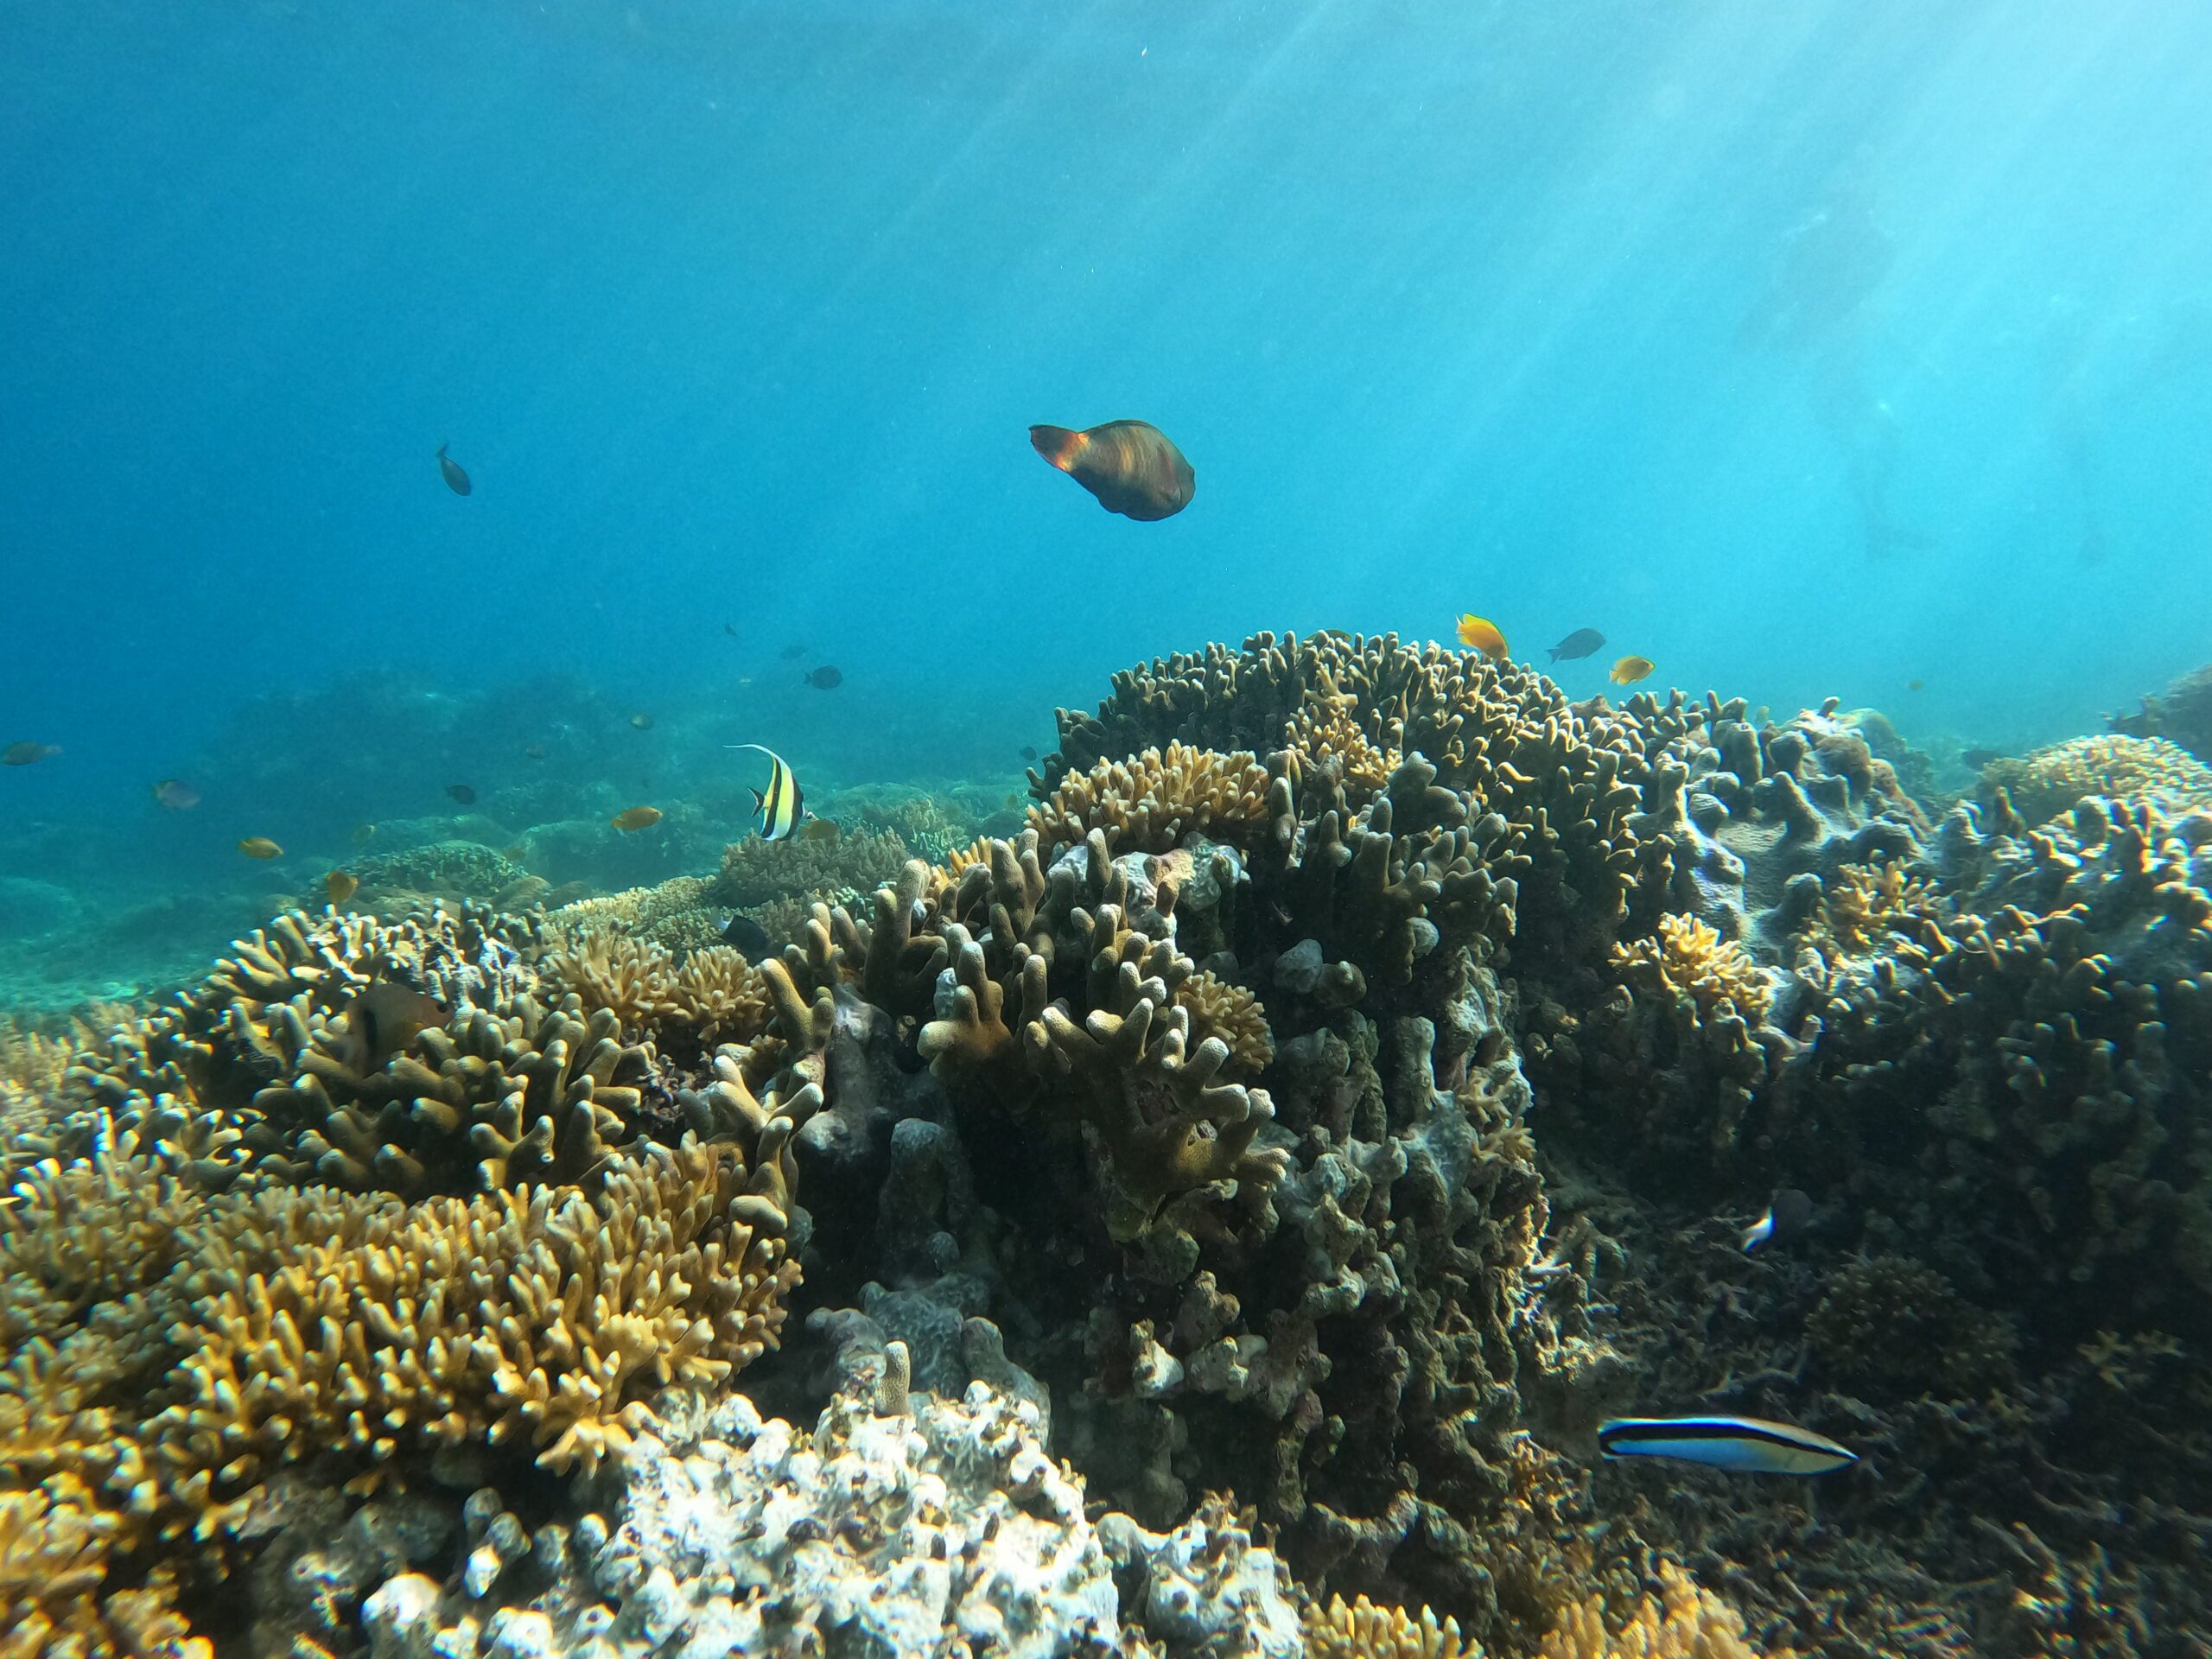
x=1555 y=652
x=1058 y=444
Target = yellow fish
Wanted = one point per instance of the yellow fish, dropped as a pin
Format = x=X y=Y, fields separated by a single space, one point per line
x=1480 y=633
x=1629 y=670
x=341 y=886
x=260 y=846
x=637 y=817
x=819 y=829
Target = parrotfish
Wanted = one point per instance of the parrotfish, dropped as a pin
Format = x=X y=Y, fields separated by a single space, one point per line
x=1746 y=1445
x=1577 y=644
x=1132 y=467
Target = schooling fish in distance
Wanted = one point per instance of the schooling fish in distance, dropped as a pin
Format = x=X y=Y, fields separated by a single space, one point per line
x=783 y=808
x=1744 y=1444
x=1132 y=467
x=1576 y=645
x=450 y=470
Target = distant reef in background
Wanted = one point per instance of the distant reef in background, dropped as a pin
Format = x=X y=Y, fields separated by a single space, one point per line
x=1205 y=1208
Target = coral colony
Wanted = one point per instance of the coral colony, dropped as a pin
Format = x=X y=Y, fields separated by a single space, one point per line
x=1218 y=1214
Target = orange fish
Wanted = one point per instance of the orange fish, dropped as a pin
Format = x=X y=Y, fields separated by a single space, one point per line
x=1480 y=633
x=260 y=846
x=638 y=817
x=1629 y=670
x=341 y=886
x=1130 y=466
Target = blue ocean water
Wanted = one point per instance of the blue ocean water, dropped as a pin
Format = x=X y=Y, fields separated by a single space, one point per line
x=1809 y=351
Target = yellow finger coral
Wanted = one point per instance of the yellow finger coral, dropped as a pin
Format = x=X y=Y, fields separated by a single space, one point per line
x=1684 y=1621
x=1362 y=1630
x=1230 y=1012
x=1150 y=802
x=1689 y=959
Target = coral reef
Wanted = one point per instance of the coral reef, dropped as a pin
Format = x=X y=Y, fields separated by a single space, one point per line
x=1350 y=1087
x=2182 y=713
x=2046 y=782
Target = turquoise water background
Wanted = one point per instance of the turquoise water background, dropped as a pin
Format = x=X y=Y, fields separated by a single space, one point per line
x=1808 y=350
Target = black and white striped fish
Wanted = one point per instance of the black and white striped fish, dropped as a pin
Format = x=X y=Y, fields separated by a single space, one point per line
x=1747 y=1445
x=783 y=808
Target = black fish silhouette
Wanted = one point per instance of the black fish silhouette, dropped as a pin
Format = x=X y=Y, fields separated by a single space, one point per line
x=450 y=470
x=1579 y=644
x=1130 y=466
x=825 y=678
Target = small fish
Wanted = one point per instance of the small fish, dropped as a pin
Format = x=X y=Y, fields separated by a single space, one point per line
x=175 y=795
x=783 y=809
x=1790 y=1214
x=342 y=885
x=745 y=679
x=28 y=753
x=1013 y=798
x=643 y=722
x=449 y=469
x=1130 y=466
x=1746 y=1445
x=825 y=678
x=260 y=846
x=363 y=833
x=749 y=937
x=1029 y=752
x=637 y=817
x=730 y=628
x=1629 y=670
x=1577 y=644
x=533 y=751
x=1979 y=758
x=462 y=793
x=793 y=652
x=820 y=830
x=1916 y=685
x=1480 y=633
x=386 y=1016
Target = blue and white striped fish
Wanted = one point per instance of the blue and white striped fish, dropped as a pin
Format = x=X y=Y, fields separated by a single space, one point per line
x=782 y=809
x=1746 y=1445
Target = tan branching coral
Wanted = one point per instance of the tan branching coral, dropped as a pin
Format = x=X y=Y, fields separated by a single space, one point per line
x=755 y=873
x=605 y=968
x=1219 y=1008
x=1150 y=802
x=1688 y=959
x=722 y=996
x=2047 y=782
x=1865 y=906
x=679 y=914
x=1683 y=1621
x=1360 y=1629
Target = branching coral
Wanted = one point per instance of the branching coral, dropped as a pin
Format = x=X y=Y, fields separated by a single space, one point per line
x=1219 y=1008
x=756 y=872
x=632 y=979
x=679 y=914
x=2047 y=782
x=1150 y=802
x=1864 y=907
x=1683 y=1621
x=1360 y=1629
x=1687 y=959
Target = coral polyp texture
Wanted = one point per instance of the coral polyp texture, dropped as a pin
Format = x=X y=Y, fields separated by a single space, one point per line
x=2046 y=782
x=1224 y=1208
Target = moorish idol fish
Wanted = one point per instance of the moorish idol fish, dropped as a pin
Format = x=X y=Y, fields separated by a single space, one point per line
x=1747 y=1445
x=782 y=809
